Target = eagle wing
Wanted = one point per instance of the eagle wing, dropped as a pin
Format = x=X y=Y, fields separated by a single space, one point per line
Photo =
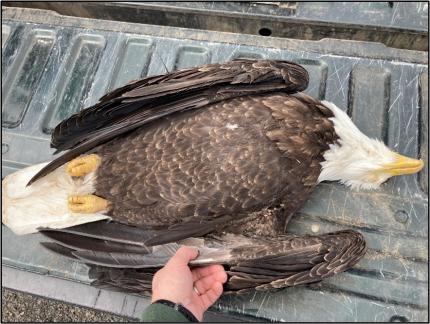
x=262 y=263
x=146 y=100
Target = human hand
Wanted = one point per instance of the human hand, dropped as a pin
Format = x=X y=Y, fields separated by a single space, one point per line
x=175 y=282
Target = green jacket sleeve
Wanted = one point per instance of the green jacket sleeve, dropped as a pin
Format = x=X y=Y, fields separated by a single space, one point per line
x=162 y=313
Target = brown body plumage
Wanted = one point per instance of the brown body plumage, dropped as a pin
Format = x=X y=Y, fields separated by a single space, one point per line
x=231 y=158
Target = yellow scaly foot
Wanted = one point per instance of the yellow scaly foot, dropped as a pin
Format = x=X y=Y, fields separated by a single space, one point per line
x=87 y=204
x=81 y=166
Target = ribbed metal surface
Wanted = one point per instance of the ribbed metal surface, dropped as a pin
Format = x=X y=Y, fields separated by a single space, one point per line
x=395 y=24
x=53 y=66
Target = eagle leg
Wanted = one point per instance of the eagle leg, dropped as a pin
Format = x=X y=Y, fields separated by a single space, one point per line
x=87 y=204
x=81 y=166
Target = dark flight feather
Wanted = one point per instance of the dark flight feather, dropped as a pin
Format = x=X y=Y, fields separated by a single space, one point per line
x=260 y=263
x=79 y=243
x=59 y=250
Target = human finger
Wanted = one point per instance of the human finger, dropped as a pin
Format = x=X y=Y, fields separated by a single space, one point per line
x=207 y=282
x=183 y=256
x=206 y=271
x=211 y=296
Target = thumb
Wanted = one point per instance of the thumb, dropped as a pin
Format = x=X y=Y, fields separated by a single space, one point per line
x=183 y=256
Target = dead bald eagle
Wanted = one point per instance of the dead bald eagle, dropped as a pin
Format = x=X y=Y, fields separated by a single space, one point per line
x=223 y=148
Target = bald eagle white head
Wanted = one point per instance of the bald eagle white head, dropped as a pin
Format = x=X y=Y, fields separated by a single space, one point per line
x=358 y=161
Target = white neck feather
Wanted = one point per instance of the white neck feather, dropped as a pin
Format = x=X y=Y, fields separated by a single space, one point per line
x=354 y=156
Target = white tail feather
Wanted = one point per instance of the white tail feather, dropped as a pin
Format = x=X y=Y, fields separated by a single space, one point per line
x=44 y=203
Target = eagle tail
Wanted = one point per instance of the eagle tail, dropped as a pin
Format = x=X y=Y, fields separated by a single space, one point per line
x=43 y=204
x=251 y=263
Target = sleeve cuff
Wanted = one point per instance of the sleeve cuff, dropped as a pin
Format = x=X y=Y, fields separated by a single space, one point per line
x=162 y=313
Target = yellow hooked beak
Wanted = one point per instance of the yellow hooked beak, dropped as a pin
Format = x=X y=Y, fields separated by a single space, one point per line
x=402 y=165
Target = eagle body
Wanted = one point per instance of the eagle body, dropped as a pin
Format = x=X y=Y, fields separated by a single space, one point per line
x=218 y=157
x=232 y=158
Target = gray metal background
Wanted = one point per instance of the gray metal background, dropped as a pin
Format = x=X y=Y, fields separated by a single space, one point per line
x=53 y=65
x=395 y=24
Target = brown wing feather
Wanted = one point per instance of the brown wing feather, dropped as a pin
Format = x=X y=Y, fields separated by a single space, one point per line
x=298 y=260
x=251 y=263
x=143 y=101
x=233 y=78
